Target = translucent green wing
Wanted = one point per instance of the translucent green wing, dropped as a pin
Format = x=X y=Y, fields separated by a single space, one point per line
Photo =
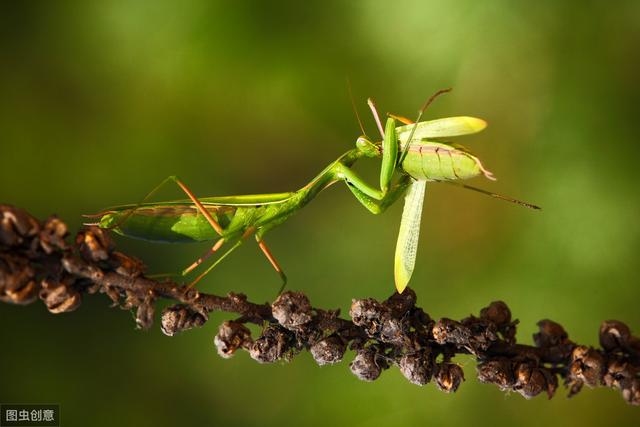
x=407 y=245
x=441 y=128
x=244 y=200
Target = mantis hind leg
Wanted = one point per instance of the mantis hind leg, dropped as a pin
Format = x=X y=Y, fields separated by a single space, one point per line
x=218 y=261
x=195 y=264
x=204 y=257
x=235 y=246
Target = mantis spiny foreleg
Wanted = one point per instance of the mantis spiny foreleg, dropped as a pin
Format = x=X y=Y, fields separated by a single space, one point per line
x=378 y=206
x=389 y=154
x=377 y=200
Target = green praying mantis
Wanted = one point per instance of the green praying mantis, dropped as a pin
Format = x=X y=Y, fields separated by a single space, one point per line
x=412 y=154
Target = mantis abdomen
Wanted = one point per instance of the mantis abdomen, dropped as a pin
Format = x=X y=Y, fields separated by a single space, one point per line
x=437 y=161
x=183 y=222
x=169 y=224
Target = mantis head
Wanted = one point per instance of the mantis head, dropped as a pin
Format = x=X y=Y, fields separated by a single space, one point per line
x=368 y=148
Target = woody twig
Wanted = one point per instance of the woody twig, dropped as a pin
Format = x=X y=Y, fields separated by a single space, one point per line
x=37 y=263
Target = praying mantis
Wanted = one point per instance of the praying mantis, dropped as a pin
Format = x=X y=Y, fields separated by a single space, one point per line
x=411 y=154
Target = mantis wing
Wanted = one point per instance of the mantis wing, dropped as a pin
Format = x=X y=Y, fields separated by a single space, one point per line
x=407 y=245
x=441 y=128
x=244 y=200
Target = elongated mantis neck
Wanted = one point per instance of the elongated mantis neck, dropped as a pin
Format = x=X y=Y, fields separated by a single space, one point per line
x=328 y=176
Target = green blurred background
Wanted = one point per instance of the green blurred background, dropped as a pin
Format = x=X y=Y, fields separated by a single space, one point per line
x=99 y=101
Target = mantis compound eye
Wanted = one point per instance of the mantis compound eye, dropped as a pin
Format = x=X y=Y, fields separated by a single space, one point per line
x=367 y=147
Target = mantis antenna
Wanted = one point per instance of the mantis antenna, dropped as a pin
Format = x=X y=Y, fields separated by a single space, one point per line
x=494 y=195
x=355 y=109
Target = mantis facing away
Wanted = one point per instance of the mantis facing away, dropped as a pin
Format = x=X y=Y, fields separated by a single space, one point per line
x=412 y=155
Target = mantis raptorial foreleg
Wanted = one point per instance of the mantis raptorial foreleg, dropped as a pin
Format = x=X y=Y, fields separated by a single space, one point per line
x=389 y=154
x=378 y=206
x=389 y=147
x=352 y=178
x=377 y=200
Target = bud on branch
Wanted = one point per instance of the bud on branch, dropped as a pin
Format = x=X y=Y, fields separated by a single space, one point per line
x=36 y=262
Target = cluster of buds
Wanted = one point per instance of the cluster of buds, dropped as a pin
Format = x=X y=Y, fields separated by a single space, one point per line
x=20 y=281
x=382 y=334
x=527 y=377
x=395 y=332
x=36 y=262
x=295 y=326
x=616 y=365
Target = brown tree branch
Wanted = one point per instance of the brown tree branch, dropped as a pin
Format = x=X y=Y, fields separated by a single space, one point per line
x=36 y=262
